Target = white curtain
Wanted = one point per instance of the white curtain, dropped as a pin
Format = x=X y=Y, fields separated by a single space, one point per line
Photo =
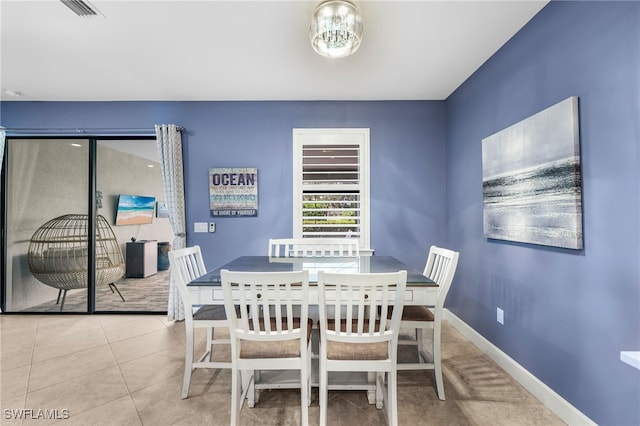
x=169 y=143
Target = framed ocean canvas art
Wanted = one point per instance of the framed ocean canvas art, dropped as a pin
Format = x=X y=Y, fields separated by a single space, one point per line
x=531 y=179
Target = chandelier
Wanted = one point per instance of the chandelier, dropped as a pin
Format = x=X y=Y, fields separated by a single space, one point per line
x=336 y=29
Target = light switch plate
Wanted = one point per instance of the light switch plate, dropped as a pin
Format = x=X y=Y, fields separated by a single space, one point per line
x=200 y=227
x=212 y=227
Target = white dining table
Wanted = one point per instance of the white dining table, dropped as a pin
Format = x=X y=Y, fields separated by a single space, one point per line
x=420 y=290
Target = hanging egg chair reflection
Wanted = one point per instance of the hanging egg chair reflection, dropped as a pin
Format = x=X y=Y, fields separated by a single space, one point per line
x=58 y=254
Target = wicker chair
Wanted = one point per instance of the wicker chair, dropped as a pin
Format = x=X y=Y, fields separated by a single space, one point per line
x=58 y=254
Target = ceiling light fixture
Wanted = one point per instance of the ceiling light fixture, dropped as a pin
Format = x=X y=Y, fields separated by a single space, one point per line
x=336 y=29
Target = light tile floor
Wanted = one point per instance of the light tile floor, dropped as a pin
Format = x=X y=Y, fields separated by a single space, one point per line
x=127 y=370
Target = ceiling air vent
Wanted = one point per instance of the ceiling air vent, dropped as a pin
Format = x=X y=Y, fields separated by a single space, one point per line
x=80 y=8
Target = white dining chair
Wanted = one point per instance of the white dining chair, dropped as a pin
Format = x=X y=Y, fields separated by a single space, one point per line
x=353 y=338
x=314 y=247
x=186 y=265
x=265 y=333
x=440 y=267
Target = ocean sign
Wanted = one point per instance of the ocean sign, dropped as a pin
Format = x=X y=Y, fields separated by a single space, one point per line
x=233 y=192
x=531 y=179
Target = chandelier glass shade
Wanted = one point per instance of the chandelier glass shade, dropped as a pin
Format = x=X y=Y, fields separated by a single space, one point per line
x=336 y=29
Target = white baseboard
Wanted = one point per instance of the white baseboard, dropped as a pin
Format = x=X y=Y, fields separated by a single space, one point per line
x=563 y=409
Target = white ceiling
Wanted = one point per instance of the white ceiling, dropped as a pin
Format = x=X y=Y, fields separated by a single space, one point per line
x=246 y=50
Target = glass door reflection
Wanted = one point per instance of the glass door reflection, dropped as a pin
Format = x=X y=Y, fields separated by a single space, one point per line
x=47 y=252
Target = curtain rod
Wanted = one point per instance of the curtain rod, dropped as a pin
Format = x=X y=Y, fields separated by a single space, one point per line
x=88 y=130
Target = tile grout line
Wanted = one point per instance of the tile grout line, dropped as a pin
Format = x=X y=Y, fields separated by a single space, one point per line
x=27 y=391
x=118 y=364
x=74 y=378
x=33 y=350
x=87 y=374
x=121 y=374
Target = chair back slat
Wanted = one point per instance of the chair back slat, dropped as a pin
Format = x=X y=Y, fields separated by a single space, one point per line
x=316 y=247
x=186 y=265
x=384 y=304
x=441 y=268
x=357 y=301
x=267 y=311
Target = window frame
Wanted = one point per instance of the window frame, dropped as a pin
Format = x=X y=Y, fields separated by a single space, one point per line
x=334 y=136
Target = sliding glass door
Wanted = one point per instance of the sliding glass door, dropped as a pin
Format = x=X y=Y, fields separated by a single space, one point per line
x=46 y=240
x=129 y=183
x=58 y=259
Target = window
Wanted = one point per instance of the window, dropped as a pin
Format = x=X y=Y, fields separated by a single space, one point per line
x=331 y=184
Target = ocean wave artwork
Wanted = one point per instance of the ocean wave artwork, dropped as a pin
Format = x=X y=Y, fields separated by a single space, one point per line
x=532 y=185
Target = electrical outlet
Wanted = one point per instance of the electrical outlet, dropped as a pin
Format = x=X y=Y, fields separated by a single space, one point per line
x=212 y=227
x=200 y=227
x=500 y=315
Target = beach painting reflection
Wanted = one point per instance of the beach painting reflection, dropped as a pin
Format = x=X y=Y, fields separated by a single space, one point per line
x=531 y=179
x=134 y=210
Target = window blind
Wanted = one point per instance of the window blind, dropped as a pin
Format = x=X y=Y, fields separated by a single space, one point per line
x=331 y=190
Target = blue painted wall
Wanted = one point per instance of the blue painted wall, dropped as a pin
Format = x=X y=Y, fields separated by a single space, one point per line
x=407 y=162
x=568 y=314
